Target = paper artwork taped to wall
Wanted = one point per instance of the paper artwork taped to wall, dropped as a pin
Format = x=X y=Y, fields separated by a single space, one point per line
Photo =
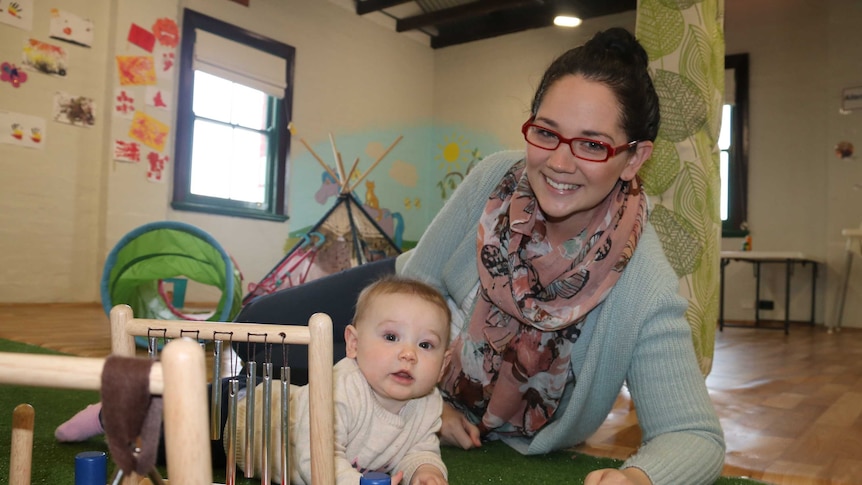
x=22 y=130
x=69 y=27
x=157 y=166
x=165 y=70
x=127 y=151
x=44 y=57
x=136 y=70
x=10 y=73
x=17 y=13
x=74 y=110
x=149 y=131
x=158 y=98
x=166 y=32
x=141 y=37
x=124 y=103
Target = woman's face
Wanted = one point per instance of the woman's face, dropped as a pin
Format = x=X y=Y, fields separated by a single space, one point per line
x=568 y=189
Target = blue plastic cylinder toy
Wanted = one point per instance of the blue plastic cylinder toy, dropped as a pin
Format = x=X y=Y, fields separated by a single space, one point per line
x=91 y=468
x=375 y=478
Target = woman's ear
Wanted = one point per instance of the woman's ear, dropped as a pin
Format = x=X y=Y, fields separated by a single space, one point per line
x=641 y=155
x=352 y=340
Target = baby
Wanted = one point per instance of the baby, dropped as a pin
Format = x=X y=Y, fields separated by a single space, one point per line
x=387 y=406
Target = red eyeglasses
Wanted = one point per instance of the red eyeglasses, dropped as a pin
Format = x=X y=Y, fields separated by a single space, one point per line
x=583 y=148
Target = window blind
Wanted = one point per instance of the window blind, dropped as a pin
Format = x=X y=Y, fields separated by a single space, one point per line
x=240 y=63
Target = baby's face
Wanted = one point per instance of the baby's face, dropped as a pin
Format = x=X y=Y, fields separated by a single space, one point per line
x=400 y=345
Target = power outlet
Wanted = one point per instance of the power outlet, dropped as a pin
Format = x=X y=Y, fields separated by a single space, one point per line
x=766 y=305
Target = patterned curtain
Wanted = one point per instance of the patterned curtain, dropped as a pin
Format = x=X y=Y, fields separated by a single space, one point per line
x=685 y=43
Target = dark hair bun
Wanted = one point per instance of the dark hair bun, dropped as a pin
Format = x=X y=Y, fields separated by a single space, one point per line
x=620 y=44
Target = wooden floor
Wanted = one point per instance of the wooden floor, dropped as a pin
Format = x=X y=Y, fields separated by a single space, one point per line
x=790 y=406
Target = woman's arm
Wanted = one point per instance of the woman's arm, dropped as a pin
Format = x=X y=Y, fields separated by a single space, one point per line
x=683 y=440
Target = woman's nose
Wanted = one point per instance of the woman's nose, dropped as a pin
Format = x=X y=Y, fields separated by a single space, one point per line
x=562 y=160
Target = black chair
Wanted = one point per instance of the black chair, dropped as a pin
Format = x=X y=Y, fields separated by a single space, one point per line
x=334 y=295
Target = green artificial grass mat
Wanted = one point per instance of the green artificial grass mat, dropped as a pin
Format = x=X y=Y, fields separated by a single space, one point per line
x=54 y=463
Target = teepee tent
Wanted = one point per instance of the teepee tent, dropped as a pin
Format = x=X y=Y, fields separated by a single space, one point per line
x=346 y=236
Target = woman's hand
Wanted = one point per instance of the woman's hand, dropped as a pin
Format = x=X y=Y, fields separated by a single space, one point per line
x=457 y=430
x=613 y=476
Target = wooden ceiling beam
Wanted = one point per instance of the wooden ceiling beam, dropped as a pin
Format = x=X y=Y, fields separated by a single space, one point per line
x=461 y=12
x=367 y=6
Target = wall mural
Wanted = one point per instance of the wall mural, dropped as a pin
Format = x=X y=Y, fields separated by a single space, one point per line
x=402 y=193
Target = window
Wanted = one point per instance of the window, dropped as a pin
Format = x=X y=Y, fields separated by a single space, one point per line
x=733 y=143
x=233 y=108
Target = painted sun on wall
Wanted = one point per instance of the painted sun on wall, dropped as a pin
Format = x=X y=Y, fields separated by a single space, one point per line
x=456 y=160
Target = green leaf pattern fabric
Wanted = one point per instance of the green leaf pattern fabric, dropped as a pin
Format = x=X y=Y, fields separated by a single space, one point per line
x=685 y=43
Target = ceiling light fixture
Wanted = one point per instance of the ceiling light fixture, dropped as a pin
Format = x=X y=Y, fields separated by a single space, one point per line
x=567 y=21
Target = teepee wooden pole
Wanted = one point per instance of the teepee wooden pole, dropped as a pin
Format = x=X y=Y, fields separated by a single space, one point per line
x=365 y=174
x=350 y=174
x=320 y=161
x=338 y=163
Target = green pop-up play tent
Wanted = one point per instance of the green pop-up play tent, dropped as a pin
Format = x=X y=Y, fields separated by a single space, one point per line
x=143 y=259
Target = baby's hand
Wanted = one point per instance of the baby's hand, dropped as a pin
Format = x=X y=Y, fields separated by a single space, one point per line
x=428 y=475
x=396 y=479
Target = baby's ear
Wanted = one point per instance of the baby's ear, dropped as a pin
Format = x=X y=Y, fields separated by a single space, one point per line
x=447 y=361
x=351 y=339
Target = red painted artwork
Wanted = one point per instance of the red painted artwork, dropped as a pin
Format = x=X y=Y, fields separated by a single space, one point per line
x=136 y=70
x=127 y=151
x=166 y=32
x=149 y=131
x=125 y=103
x=142 y=37
x=157 y=166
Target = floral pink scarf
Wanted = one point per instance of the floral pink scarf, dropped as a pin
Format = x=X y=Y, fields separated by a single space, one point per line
x=511 y=365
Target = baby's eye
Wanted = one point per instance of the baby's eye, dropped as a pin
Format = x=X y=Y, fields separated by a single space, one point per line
x=426 y=345
x=390 y=337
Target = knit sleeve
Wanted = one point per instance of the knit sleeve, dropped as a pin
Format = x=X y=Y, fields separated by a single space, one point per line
x=682 y=437
x=425 y=449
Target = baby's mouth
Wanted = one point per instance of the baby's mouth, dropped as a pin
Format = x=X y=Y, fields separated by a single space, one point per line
x=403 y=376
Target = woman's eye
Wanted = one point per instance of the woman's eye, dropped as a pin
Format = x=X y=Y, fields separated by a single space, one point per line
x=592 y=146
x=548 y=135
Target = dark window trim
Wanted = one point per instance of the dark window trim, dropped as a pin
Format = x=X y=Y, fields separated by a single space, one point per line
x=182 y=198
x=737 y=195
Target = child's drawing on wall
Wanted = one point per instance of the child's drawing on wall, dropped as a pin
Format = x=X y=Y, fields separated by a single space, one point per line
x=71 y=28
x=17 y=13
x=74 y=110
x=22 y=130
x=44 y=57
x=136 y=70
x=149 y=131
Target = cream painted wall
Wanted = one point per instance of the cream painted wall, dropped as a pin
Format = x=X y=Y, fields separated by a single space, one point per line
x=52 y=199
x=64 y=208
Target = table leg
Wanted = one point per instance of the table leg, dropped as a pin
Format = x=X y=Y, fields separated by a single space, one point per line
x=788 y=271
x=842 y=294
x=723 y=262
x=813 y=288
x=757 y=294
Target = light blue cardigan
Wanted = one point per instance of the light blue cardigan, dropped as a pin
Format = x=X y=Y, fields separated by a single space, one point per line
x=638 y=336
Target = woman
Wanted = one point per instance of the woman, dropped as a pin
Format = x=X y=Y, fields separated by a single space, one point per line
x=561 y=292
